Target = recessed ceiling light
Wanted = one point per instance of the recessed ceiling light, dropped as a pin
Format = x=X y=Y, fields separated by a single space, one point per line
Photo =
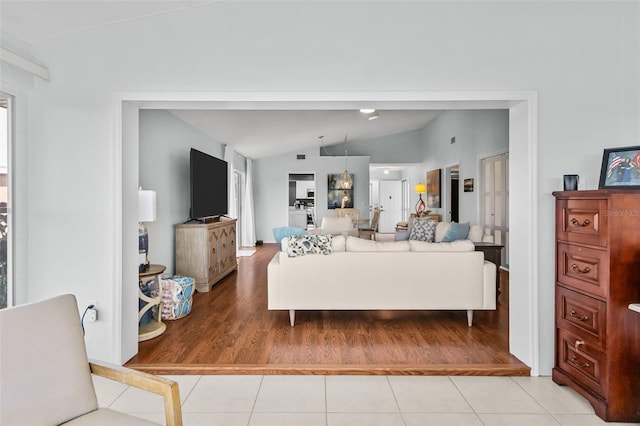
x=386 y=171
x=367 y=110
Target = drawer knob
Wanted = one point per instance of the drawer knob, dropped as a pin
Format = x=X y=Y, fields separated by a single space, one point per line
x=576 y=317
x=583 y=365
x=576 y=222
x=577 y=269
x=578 y=344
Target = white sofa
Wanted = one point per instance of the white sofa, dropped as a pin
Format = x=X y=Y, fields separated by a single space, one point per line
x=362 y=274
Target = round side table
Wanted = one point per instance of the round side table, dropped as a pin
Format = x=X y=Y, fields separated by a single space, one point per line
x=154 y=328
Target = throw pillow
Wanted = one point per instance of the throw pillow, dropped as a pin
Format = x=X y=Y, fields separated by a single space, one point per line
x=423 y=229
x=286 y=231
x=457 y=231
x=299 y=245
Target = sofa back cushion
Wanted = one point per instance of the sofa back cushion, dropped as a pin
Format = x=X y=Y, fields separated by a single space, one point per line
x=44 y=370
x=455 y=246
x=336 y=225
x=360 y=244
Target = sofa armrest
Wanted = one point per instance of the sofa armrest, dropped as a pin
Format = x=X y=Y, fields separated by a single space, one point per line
x=489 y=285
x=159 y=385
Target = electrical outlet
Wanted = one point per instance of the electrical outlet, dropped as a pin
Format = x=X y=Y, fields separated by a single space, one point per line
x=91 y=315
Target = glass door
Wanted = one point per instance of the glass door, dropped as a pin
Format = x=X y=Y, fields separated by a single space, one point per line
x=5 y=219
x=495 y=220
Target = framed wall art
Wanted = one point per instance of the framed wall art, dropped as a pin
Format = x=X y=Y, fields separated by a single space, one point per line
x=620 y=168
x=468 y=185
x=433 y=188
x=338 y=198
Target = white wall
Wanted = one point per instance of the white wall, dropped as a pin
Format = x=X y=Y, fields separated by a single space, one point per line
x=478 y=134
x=587 y=84
x=165 y=142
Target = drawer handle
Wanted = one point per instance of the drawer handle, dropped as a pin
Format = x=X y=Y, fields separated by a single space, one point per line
x=576 y=317
x=576 y=222
x=575 y=268
x=585 y=365
x=577 y=344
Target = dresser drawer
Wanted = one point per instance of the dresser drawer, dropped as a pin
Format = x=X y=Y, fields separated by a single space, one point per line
x=583 y=268
x=585 y=363
x=582 y=315
x=582 y=221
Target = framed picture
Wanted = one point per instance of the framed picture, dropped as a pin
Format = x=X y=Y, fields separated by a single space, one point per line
x=433 y=188
x=468 y=185
x=338 y=198
x=620 y=168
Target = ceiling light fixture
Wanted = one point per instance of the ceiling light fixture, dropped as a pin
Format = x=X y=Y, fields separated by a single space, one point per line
x=347 y=182
x=373 y=116
x=386 y=171
x=367 y=110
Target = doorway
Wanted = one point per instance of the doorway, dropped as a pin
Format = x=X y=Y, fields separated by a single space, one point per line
x=390 y=205
x=495 y=200
x=527 y=340
x=453 y=199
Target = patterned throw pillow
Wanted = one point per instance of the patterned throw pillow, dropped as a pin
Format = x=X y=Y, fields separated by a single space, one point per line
x=299 y=245
x=423 y=229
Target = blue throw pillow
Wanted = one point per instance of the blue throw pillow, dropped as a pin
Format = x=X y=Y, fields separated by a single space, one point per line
x=286 y=231
x=456 y=231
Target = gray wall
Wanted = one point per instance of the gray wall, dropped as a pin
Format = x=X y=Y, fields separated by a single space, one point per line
x=165 y=141
x=272 y=183
x=479 y=134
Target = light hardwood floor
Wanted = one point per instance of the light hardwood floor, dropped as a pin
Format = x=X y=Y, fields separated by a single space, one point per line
x=230 y=331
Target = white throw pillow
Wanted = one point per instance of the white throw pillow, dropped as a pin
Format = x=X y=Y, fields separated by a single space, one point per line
x=441 y=230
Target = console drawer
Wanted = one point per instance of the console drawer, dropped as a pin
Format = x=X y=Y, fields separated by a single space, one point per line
x=582 y=315
x=583 y=268
x=582 y=221
x=582 y=361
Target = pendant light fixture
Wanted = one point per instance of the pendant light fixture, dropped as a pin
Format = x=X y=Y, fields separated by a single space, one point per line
x=347 y=182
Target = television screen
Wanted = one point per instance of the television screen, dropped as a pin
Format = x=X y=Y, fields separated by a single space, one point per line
x=209 y=180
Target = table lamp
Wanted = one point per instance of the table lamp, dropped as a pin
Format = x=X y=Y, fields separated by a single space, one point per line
x=146 y=213
x=421 y=207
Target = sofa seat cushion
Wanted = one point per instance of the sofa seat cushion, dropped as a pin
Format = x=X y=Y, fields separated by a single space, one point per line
x=300 y=245
x=455 y=246
x=360 y=244
x=106 y=416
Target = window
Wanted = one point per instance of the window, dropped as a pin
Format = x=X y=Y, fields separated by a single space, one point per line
x=5 y=219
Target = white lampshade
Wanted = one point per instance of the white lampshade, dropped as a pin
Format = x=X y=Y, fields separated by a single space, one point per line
x=146 y=205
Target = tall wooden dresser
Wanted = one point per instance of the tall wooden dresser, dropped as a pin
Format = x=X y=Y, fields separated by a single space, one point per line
x=597 y=277
x=206 y=252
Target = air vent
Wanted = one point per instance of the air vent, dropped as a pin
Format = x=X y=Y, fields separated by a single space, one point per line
x=301 y=157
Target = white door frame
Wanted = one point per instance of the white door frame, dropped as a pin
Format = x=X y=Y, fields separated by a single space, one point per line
x=523 y=113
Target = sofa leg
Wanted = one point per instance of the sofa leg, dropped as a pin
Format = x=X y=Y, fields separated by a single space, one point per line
x=469 y=317
x=292 y=316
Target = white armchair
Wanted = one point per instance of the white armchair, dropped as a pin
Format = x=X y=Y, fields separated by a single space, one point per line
x=45 y=376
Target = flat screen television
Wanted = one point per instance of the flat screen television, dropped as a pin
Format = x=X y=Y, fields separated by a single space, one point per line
x=208 y=186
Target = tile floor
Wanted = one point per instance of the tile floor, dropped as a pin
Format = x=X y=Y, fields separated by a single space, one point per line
x=359 y=400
